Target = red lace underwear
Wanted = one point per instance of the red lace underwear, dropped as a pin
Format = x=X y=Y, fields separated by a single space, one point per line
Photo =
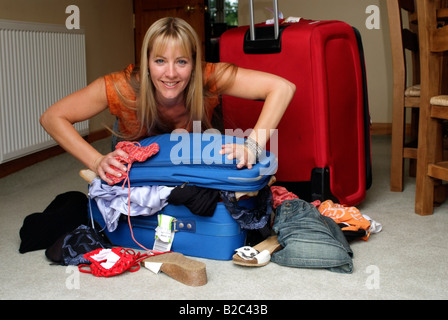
x=135 y=153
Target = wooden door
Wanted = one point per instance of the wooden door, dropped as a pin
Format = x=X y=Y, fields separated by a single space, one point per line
x=148 y=11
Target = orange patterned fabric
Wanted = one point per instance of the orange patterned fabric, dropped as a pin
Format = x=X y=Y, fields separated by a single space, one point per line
x=348 y=215
x=121 y=99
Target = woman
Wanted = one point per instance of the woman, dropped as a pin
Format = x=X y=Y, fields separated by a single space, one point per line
x=171 y=89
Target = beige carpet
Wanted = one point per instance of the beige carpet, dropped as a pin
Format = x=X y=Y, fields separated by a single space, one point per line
x=406 y=260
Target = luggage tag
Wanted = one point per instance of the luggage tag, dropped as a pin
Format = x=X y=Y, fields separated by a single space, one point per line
x=163 y=240
x=164 y=234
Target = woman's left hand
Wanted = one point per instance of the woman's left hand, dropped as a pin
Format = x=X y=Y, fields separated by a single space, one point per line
x=240 y=152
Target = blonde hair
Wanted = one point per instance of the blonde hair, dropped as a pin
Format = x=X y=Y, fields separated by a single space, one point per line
x=162 y=33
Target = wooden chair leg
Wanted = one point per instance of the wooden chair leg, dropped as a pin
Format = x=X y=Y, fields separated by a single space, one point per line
x=397 y=144
x=402 y=38
x=414 y=140
x=428 y=135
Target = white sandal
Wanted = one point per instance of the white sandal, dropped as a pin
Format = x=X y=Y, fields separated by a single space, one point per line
x=257 y=256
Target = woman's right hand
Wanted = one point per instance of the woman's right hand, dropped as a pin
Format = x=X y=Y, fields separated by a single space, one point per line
x=244 y=156
x=110 y=164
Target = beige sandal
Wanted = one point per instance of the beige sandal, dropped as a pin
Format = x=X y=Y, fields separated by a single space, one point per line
x=259 y=255
x=177 y=266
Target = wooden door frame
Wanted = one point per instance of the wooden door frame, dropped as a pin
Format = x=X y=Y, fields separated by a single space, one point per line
x=173 y=5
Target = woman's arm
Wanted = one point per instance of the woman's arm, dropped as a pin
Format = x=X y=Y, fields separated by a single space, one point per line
x=82 y=105
x=276 y=92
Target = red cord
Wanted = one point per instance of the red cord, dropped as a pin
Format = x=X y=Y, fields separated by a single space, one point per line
x=136 y=153
x=129 y=212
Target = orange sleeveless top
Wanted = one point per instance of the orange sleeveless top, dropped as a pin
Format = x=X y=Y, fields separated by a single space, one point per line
x=121 y=99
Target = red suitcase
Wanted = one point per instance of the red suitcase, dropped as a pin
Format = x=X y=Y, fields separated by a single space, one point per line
x=324 y=136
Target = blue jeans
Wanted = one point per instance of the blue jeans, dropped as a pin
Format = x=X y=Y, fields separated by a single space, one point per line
x=309 y=239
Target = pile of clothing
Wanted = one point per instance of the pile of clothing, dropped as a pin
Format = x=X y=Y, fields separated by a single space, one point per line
x=317 y=235
x=62 y=230
x=313 y=235
x=112 y=202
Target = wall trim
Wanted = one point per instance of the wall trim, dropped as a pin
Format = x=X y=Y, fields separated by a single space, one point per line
x=385 y=129
x=12 y=166
x=379 y=129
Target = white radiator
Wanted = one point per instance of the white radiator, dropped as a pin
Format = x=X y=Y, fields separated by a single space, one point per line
x=39 y=65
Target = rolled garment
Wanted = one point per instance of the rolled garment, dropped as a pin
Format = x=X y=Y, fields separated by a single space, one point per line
x=309 y=239
x=112 y=201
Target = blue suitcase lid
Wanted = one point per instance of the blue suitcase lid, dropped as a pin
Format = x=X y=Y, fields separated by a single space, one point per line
x=194 y=158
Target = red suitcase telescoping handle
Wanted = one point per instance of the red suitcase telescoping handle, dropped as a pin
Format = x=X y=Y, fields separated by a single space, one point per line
x=263 y=39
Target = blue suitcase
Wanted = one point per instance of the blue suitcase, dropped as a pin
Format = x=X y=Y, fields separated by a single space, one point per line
x=191 y=158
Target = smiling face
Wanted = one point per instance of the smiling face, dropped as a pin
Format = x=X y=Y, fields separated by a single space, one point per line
x=170 y=68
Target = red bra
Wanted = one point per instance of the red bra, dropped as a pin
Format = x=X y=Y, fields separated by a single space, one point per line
x=112 y=262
